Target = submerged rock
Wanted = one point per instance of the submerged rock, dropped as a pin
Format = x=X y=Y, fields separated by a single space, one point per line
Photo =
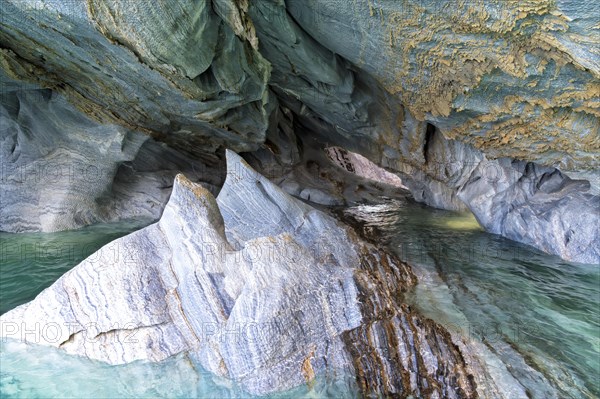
x=255 y=286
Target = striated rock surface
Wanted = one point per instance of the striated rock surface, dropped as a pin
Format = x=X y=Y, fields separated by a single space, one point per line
x=523 y=201
x=499 y=82
x=183 y=71
x=361 y=166
x=512 y=79
x=255 y=286
x=61 y=170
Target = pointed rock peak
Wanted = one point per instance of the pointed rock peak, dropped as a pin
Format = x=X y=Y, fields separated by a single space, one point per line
x=248 y=198
x=193 y=204
x=183 y=183
x=239 y=169
x=241 y=176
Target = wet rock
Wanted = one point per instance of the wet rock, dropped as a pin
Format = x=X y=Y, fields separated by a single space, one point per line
x=523 y=201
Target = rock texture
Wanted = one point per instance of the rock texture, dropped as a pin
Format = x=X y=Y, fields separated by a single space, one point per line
x=255 y=286
x=176 y=70
x=361 y=166
x=505 y=82
x=513 y=79
x=61 y=170
x=523 y=201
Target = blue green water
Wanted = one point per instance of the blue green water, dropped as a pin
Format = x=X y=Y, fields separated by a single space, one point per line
x=33 y=261
x=534 y=318
x=30 y=262
x=41 y=372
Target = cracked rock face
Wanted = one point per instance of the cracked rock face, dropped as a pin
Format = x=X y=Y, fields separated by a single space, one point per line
x=255 y=286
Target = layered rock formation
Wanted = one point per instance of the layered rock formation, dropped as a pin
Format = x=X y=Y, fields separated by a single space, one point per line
x=61 y=170
x=176 y=70
x=499 y=83
x=524 y=201
x=255 y=286
x=356 y=163
x=513 y=79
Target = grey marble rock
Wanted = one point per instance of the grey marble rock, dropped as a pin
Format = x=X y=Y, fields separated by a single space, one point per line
x=176 y=70
x=60 y=170
x=501 y=80
x=501 y=83
x=255 y=286
x=321 y=180
x=361 y=166
x=513 y=79
x=452 y=118
x=523 y=201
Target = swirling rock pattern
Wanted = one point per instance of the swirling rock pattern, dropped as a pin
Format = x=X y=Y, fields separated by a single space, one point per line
x=61 y=170
x=255 y=286
x=524 y=201
x=500 y=82
x=513 y=79
x=175 y=70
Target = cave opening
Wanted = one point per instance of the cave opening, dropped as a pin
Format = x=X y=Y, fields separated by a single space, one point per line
x=299 y=199
x=362 y=166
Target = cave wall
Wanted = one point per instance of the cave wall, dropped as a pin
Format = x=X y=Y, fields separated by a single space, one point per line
x=525 y=201
x=176 y=69
x=472 y=104
x=513 y=79
x=281 y=293
x=61 y=170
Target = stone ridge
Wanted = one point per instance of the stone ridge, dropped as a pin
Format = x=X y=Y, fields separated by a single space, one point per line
x=254 y=286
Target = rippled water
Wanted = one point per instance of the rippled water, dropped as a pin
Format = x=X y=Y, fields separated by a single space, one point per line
x=533 y=317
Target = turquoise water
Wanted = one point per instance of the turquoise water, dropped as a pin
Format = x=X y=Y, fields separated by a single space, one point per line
x=31 y=262
x=39 y=372
x=533 y=317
